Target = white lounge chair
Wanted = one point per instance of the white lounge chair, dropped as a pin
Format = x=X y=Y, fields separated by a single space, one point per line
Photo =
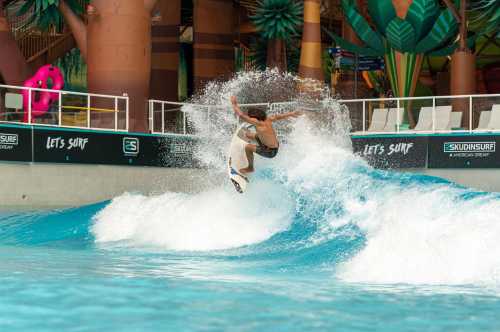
x=443 y=118
x=392 y=119
x=484 y=120
x=379 y=118
x=494 y=123
x=424 y=120
x=455 y=120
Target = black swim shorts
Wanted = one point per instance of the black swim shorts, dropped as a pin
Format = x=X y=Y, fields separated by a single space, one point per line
x=264 y=150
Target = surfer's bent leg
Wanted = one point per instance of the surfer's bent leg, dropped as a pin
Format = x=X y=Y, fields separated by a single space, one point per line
x=249 y=150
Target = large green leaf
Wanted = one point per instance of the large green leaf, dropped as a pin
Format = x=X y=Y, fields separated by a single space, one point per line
x=344 y=44
x=444 y=27
x=448 y=50
x=278 y=19
x=361 y=27
x=381 y=12
x=421 y=15
x=401 y=35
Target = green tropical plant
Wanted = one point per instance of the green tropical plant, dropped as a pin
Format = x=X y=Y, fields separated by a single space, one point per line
x=73 y=67
x=426 y=29
x=277 y=22
x=46 y=13
x=484 y=15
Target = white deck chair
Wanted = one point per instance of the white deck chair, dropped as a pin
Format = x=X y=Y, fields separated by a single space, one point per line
x=494 y=123
x=484 y=120
x=443 y=118
x=379 y=118
x=392 y=119
x=424 y=120
x=455 y=120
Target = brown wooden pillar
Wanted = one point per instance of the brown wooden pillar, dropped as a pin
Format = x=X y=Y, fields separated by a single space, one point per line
x=165 y=51
x=13 y=67
x=213 y=40
x=119 y=57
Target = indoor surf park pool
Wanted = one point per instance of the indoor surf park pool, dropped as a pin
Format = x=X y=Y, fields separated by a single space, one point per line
x=321 y=241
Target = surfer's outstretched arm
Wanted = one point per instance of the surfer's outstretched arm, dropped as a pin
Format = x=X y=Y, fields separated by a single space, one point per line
x=242 y=115
x=284 y=116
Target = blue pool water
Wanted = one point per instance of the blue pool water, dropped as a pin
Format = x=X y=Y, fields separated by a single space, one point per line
x=321 y=243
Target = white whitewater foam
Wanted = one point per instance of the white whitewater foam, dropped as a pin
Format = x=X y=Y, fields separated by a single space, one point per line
x=212 y=220
x=422 y=236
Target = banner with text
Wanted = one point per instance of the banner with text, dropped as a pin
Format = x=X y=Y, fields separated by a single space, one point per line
x=464 y=152
x=15 y=143
x=392 y=152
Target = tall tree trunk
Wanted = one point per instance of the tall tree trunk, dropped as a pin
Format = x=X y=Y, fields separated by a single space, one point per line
x=213 y=51
x=119 y=57
x=463 y=70
x=77 y=27
x=165 y=60
x=165 y=52
x=13 y=67
x=276 y=54
x=310 y=56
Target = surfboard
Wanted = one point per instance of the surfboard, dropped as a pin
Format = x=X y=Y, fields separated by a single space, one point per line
x=237 y=158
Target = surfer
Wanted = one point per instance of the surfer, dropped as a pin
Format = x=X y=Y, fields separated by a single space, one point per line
x=265 y=136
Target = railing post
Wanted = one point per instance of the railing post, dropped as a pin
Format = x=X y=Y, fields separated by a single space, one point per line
x=433 y=114
x=88 y=111
x=60 y=109
x=29 y=105
x=397 y=114
x=162 y=117
x=116 y=114
x=126 y=111
x=364 y=116
x=150 y=116
x=470 y=114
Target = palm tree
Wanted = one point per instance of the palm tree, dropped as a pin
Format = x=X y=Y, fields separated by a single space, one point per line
x=277 y=22
x=310 y=56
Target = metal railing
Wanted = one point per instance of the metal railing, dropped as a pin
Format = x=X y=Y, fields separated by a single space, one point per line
x=430 y=114
x=166 y=117
x=70 y=109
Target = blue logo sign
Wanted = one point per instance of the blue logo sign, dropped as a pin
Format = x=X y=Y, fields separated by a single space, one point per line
x=130 y=146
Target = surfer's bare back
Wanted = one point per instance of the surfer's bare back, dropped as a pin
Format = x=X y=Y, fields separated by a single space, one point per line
x=265 y=136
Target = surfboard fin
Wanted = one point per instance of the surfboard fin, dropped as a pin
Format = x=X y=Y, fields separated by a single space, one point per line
x=237 y=186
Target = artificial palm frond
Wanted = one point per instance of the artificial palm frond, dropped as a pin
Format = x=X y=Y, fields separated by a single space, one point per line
x=484 y=15
x=278 y=19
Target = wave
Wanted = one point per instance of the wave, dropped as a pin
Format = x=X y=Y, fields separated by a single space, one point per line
x=315 y=206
